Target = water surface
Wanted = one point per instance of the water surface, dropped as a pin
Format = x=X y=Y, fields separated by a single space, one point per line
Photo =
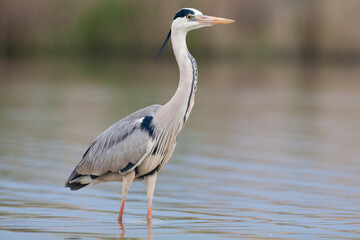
x=268 y=152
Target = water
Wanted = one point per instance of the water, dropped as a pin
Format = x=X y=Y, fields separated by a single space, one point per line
x=268 y=152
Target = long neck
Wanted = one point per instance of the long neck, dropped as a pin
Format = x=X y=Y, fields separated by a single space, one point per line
x=178 y=108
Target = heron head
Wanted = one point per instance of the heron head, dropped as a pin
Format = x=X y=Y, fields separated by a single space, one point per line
x=187 y=19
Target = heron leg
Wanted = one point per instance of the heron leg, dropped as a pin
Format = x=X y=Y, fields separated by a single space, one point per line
x=126 y=182
x=150 y=187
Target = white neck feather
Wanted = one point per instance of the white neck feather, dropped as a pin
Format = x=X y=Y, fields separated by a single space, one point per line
x=176 y=108
x=171 y=117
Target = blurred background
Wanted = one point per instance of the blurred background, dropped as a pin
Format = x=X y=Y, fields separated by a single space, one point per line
x=272 y=148
x=276 y=30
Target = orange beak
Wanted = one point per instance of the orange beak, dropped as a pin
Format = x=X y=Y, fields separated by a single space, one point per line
x=209 y=20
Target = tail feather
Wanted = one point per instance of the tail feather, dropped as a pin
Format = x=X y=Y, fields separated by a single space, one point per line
x=76 y=186
x=76 y=181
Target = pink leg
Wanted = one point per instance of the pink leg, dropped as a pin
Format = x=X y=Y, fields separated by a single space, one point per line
x=149 y=210
x=150 y=187
x=121 y=210
x=127 y=180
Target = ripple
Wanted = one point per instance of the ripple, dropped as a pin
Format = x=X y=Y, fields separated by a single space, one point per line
x=270 y=163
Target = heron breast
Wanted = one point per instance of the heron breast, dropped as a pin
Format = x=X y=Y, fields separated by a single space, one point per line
x=154 y=161
x=149 y=164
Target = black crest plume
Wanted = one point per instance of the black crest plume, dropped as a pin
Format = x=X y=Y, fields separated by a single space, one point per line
x=182 y=13
x=164 y=44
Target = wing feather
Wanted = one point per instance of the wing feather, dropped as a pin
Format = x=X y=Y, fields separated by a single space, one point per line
x=118 y=148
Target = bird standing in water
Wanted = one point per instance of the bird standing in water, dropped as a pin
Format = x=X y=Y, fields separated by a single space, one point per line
x=138 y=146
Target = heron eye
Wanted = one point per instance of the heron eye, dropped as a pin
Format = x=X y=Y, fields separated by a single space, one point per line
x=189 y=17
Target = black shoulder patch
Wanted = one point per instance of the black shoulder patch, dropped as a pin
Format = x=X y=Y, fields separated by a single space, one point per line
x=146 y=125
x=183 y=12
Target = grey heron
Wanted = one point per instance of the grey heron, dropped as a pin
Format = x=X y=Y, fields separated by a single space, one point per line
x=138 y=146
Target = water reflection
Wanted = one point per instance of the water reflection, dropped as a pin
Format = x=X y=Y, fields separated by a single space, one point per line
x=267 y=152
x=122 y=229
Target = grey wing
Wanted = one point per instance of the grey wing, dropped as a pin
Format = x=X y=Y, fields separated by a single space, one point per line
x=120 y=147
